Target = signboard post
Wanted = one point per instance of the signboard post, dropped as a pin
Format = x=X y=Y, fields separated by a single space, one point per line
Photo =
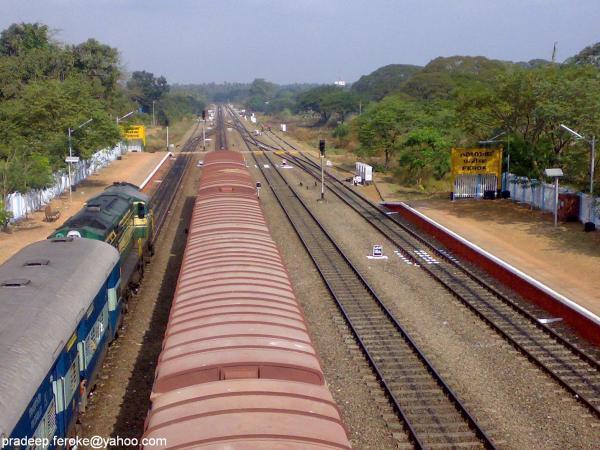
x=556 y=174
x=134 y=133
x=71 y=159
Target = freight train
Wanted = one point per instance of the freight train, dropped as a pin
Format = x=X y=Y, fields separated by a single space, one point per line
x=237 y=369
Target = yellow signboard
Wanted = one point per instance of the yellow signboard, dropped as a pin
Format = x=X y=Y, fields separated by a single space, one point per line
x=477 y=161
x=134 y=132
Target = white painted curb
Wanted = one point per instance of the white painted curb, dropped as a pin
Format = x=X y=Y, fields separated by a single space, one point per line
x=149 y=177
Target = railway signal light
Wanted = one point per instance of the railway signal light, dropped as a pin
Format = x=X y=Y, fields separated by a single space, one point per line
x=322 y=150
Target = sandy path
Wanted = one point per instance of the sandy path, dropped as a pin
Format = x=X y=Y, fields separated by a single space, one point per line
x=564 y=258
x=134 y=168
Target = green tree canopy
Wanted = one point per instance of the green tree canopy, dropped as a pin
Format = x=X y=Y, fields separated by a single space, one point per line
x=99 y=62
x=382 y=127
x=531 y=105
x=21 y=38
x=384 y=81
x=326 y=101
x=145 y=88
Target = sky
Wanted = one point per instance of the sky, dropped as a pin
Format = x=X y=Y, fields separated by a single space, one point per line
x=317 y=41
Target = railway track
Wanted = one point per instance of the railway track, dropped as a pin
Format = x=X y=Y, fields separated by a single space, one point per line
x=164 y=195
x=220 y=129
x=195 y=140
x=433 y=415
x=572 y=367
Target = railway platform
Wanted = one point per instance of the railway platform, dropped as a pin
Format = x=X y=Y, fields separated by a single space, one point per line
x=565 y=259
x=554 y=268
x=133 y=168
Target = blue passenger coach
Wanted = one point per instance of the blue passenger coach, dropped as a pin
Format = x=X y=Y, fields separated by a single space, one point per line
x=59 y=308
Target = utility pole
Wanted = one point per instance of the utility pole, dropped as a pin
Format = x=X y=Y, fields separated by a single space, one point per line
x=69 y=164
x=121 y=118
x=153 y=121
x=590 y=225
x=70 y=160
x=167 y=138
x=592 y=164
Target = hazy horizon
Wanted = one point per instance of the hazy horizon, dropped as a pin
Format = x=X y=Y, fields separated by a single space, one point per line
x=311 y=41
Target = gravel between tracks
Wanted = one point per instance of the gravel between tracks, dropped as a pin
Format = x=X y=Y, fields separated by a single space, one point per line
x=514 y=401
x=345 y=378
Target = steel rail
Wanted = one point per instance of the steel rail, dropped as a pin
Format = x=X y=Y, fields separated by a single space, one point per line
x=587 y=390
x=422 y=439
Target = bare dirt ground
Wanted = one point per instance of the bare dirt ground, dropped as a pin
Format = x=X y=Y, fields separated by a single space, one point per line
x=133 y=168
x=564 y=258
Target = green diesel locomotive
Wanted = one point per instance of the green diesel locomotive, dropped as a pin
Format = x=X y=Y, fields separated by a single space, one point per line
x=122 y=217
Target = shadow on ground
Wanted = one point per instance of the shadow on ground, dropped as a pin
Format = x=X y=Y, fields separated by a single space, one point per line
x=130 y=420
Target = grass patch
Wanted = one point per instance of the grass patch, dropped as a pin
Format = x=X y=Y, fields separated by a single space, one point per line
x=156 y=137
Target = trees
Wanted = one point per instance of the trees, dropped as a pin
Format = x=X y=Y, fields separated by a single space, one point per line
x=98 y=62
x=36 y=123
x=326 y=101
x=21 y=38
x=384 y=81
x=531 y=105
x=425 y=151
x=420 y=133
x=381 y=127
x=45 y=88
x=145 y=88
x=589 y=55
x=174 y=106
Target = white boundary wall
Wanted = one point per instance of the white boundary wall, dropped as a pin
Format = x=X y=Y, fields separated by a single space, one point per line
x=541 y=195
x=21 y=204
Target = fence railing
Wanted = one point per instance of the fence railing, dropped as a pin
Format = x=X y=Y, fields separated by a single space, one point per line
x=21 y=204
x=541 y=195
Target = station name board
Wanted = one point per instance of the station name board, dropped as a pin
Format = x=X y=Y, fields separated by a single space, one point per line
x=134 y=132
x=476 y=161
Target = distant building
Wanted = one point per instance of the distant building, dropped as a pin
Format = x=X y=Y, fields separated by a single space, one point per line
x=340 y=83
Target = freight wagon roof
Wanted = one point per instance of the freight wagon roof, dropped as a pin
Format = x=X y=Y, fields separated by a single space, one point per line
x=38 y=318
x=248 y=414
x=224 y=156
x=242 y=319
